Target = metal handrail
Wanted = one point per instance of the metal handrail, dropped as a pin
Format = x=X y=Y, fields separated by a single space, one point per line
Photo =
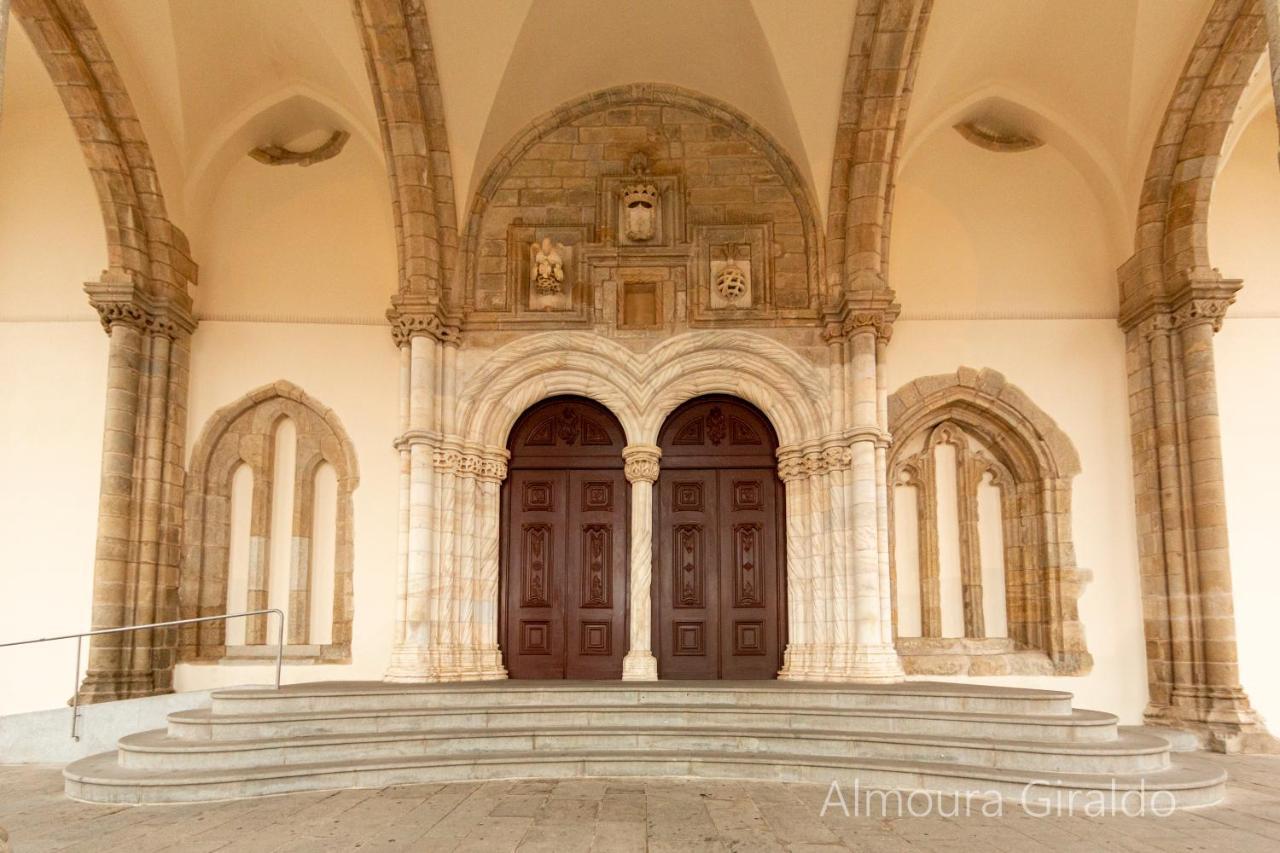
x=75 y=697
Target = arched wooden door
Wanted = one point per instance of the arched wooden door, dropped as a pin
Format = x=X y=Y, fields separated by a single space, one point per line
x=718 y=503
x=564 y=543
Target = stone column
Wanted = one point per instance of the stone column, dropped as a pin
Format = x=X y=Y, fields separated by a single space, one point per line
x=873 y=657
x=1188 y=606
x=967 y=479
x=641 y=471
x=1213 y=600
x=139 y=504
x=418 y=339
x=448 y=563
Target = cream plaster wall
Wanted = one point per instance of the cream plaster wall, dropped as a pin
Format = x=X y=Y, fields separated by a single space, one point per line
x=978 y=233
x=51 y=234
x=52 y=384
x=52 y=398
x=1243 y=217
x=1003 y=261
x=354 y=371
x=1074 y=370
x=287 y=242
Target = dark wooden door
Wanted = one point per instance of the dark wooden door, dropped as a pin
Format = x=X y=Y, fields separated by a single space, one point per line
x=565 y=544
x=718 y=504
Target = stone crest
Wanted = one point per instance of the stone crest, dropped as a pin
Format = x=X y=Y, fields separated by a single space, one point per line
x=640 y=203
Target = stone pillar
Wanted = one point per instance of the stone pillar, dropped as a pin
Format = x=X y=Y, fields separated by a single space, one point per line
x=140 y=501
x=1189 y=616
x=447 y=574
x=839 y=607
x=641 y=471
x=968 y=476
x=418 y=340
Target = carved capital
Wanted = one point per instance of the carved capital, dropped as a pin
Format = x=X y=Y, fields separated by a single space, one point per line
x=1194 y=311
x=641 y=462
x=411 y=315
x=874 y=312
x=813 y=459
x=121 y=300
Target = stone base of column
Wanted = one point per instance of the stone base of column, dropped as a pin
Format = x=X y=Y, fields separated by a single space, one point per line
x=113 y=686
x=414 y=665
x=842 y=664
x=1221 y=718
x=639 y=666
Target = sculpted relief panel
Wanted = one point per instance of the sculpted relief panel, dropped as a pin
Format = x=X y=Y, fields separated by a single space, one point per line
x=641 y=217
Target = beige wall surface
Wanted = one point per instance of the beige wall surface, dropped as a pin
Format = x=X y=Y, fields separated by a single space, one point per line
x=1074 y=370
x=1243 y=218
x=51 y=407
x=354 y=371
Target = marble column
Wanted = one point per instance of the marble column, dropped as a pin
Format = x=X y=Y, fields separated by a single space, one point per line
x=419 y=352
x=642 y=471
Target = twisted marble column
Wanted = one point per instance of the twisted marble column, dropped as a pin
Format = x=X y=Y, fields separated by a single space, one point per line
x=641 y=471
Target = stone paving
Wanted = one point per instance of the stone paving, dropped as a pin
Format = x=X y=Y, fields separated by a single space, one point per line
x=556 y=816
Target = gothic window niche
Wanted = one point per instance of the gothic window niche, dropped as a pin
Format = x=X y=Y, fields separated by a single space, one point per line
x=982 y=500
x=239 y=436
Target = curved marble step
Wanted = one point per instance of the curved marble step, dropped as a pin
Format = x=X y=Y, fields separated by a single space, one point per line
x=99 y=778
x=907 y=696
x=1076 y=726
x=1128 y=754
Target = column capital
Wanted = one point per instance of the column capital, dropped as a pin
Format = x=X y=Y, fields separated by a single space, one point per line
x=641 y=462
x=121 y=300
x=1194 y=297
x=413 y=314
x=871 y=312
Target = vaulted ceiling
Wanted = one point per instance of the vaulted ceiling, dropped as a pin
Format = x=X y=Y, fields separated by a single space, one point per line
x=210 y=80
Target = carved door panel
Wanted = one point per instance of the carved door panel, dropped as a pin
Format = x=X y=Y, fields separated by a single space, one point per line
x=688 y=579
x=718 y=563
x=595 y=609
x=565 y=545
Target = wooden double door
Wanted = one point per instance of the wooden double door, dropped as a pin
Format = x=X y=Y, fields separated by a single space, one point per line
x=565 y=550
x=718 y=585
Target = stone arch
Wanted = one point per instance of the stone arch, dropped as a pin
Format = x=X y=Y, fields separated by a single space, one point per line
x=644 y=94
x=400 y=61
x=1032 y=462
x=242 y=433
x=641 y=389
x=1171 y=242
x=141 y=241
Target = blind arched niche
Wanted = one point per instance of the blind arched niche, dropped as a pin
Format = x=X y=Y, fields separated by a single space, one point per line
x=242 y=434
x=995 y=437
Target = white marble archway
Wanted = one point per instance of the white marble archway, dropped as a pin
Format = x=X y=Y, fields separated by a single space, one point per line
x=447 y=625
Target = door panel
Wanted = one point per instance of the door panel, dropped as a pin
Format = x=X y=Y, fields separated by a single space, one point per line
x=565 y=544
x=688 y=580
x=718 y=578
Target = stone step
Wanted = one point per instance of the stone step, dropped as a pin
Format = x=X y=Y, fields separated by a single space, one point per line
x=101 y=779
x=909 y=696
x=1075 y=726
x=1129 y=754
